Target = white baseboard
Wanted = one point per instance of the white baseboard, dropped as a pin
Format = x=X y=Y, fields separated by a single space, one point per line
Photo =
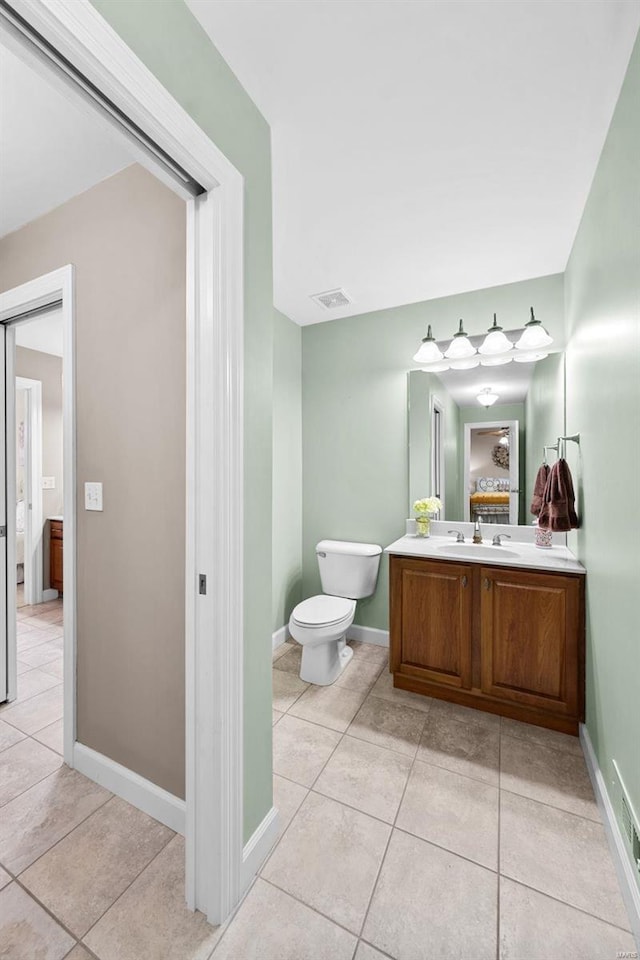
x=49 y=594
x=368 y=635
x=619 y=853
x=279 y=637
x=133 y=788
x=257 y=848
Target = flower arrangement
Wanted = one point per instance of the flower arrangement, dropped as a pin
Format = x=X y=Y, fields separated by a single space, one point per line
x=424 y=509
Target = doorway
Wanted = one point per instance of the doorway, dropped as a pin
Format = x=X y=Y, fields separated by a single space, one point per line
x=491 y=473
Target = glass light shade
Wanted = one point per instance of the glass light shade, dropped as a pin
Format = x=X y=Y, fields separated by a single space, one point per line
x=439 y=367
x=496 y=361
x=495 y=341
x=486 y=398
x=466 y=363
x=460 y=346
x=534 y=335
x=428 y=351
x=504 y=441
x=530 y=356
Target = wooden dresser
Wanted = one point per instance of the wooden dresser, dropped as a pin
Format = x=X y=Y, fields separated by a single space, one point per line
x=55 y=555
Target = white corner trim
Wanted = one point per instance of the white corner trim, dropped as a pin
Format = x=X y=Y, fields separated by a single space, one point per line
x=622 y=863
x=258 y=846
x=130 y=786
x=368 y=635
x=279 y=637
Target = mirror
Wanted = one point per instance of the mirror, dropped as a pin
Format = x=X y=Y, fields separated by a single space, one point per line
x=481 y=461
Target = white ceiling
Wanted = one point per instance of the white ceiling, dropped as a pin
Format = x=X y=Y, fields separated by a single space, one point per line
x=424 y=148
x=50 y=150
x=43 y=333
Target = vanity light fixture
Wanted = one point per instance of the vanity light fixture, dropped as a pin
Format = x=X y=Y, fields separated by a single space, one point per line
x=496 y=361
x=486 y=397
x=534 y=336
x=460 y=347
x=495 y=342
x=438 y=367
x=428 y=351
x=466 y=363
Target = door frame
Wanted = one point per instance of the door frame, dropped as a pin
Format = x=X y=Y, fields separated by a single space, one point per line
x=33 y=549
x=214 y=461
x=514 y=459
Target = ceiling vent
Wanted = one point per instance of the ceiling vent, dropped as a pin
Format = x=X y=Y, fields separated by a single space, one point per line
x=331 y=299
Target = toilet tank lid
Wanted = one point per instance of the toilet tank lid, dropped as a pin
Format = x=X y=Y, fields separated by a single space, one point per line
x=348 y=548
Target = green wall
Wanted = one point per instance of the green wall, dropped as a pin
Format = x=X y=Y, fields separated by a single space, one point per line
x=287 y=468
x=544 y=410
x=354 y=403
x=499 y=411
x=170 y=41
x=603 y=405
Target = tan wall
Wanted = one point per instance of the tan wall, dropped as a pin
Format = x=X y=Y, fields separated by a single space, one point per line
x=48 y=370
x=126 y=237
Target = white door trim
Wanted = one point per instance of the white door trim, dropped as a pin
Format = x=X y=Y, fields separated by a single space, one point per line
x=514 y=461
x=215 y=317
x=33 y=519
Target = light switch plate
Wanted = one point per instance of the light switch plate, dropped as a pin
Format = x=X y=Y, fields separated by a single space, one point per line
x=93 y=496
x=48 y=483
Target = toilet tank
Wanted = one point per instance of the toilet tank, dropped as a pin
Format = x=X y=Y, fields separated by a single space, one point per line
x=348 y=569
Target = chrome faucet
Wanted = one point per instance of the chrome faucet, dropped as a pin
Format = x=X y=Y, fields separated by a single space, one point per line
x=459 y=535
x=499 y=537
x=477 y=535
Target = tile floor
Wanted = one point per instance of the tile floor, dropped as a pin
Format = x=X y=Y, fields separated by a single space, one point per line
x=409 y=829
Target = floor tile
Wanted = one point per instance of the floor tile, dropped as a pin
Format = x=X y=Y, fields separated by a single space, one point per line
x=548 y=775
x=466 y=748
x=301 y=749
x=27 y=932
x=559 y=854
x=52 y=736
x=539 y=928
x=385 y=690
x=286 y=689
x=30 y=639
x=272 y=924
x=4 y=878
x=366 y=952
x=23 y=765
x=34 y=681
x=33 y=822
x=443 y=708
x=85 y=873
x=329 y=858
x=453 y=811
x=287 y=797
x=54 y=667
x=333 y=707
x=38 y=712
x=9 y=735
x=391 y=725
x=282 y=649
x=291 y=661
x=79 y=953
x=431 y=905
x=151 y=921
x=22 y=667
x=276 y=715
x=360 y=675
x=369 y=651
x=366 y=777
x=541 y=735
x=42 y=654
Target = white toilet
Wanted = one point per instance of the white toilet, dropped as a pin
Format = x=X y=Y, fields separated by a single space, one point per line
x=348 y=571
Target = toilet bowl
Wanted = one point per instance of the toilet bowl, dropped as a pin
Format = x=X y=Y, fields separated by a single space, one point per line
x=348 y=572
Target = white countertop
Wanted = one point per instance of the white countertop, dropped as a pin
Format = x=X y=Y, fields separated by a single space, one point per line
x=556 y=559
x=55 y=518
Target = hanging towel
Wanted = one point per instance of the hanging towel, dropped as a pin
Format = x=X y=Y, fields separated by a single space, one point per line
x=558 y=509
x=538 y=489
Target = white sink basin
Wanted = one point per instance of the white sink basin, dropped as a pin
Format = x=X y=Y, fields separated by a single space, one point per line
x=477 y=551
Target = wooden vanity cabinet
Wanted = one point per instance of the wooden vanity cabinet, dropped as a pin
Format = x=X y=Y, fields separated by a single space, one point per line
x=56 y=555
x=509 y=641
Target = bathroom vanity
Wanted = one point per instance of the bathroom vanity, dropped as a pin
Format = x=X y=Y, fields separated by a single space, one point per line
x=495 y=628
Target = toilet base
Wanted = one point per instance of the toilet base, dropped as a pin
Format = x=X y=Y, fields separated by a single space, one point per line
x=322 y=663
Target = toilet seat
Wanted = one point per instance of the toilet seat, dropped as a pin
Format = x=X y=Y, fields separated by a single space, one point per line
x=323 y=611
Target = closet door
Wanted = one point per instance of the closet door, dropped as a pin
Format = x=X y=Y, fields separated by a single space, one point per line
x=3 y=517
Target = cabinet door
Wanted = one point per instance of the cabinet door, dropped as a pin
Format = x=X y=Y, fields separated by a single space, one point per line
x=56 y=556
x=530 y=638
x=431 y=621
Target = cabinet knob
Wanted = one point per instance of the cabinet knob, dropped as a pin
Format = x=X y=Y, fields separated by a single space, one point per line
x=464 y=581
x=487 y=583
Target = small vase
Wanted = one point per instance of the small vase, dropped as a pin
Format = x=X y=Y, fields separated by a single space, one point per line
x=544 y=538
x=422 y=525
